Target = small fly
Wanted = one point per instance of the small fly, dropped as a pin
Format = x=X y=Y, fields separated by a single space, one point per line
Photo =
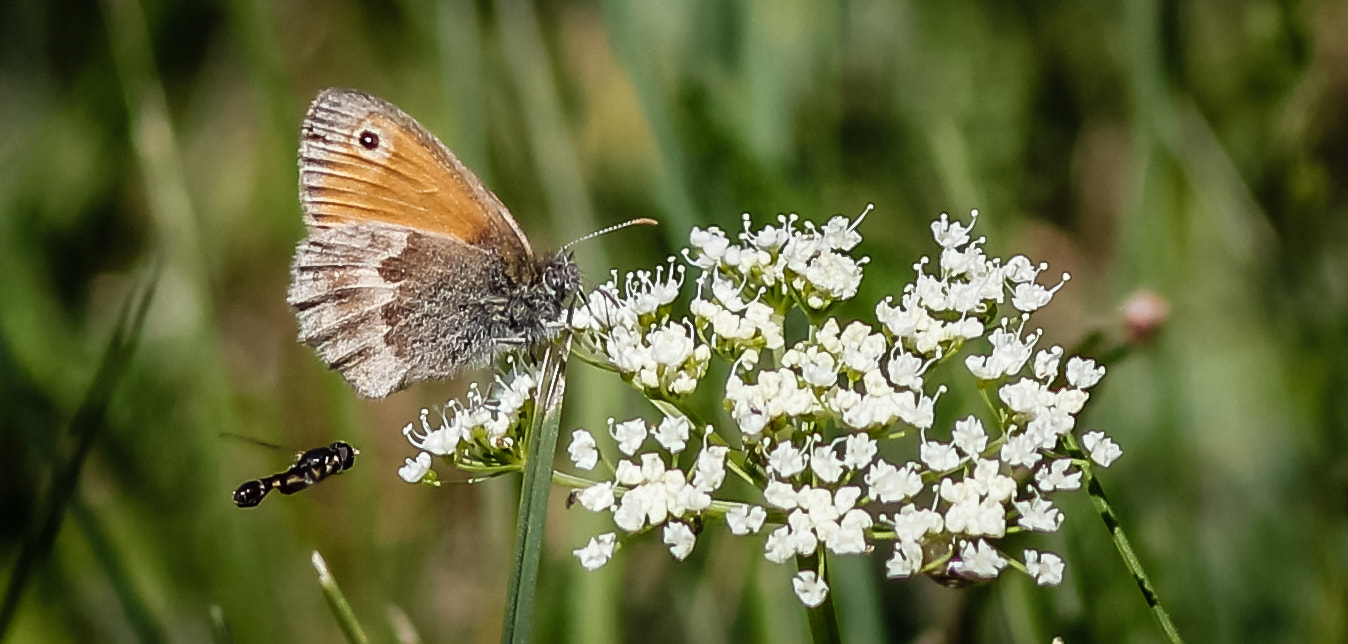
x=309 y=468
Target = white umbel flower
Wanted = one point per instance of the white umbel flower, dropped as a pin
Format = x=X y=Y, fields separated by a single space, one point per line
x=1045 y=567
x=597 y=552
x=812 y=422
x=680 y=539
x=583 y=451
x=811 y=590
x=745 y=519
x=1102 y=450
x=414 y=470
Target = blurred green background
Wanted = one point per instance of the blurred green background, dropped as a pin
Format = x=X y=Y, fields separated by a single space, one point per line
x=1197 y=149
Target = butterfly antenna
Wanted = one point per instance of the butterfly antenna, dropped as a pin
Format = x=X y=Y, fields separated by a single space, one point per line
x=640 y=221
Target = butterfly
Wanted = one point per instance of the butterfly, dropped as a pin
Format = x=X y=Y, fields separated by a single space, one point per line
x=412 y=269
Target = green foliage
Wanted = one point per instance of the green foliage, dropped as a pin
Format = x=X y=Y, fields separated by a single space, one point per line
x=1194 y=149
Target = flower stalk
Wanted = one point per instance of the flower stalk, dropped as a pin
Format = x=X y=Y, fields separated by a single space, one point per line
x=541 y=444
x=1130 y=559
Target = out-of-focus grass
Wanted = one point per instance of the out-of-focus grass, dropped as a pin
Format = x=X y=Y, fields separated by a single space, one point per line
x=1196 y=149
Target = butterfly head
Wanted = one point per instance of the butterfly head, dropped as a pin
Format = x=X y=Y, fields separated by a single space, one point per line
x=561 y=276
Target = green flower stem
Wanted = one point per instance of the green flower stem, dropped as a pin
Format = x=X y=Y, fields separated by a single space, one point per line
x=593 y=360
x=541 y=443
x=485 y=472
x=1130 y=560
x=571 y=480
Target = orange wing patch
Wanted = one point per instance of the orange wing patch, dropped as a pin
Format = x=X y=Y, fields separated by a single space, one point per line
x=364 y=160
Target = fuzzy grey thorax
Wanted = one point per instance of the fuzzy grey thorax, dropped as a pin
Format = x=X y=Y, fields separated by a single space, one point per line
x=534 y=310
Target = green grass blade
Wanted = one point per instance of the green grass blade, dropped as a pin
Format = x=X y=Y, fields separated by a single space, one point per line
x=558 y=162
x=219 y=627
x=341 y=610
x=533 y=515
x=631 y=45
x=84 y=427
x=138 y=614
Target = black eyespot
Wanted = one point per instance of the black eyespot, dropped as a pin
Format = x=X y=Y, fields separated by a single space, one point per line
x=369 y=140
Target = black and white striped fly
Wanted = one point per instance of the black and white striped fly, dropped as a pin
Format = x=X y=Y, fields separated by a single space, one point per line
x=309 y=468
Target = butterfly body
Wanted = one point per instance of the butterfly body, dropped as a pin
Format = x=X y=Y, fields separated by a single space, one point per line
x=412 y=268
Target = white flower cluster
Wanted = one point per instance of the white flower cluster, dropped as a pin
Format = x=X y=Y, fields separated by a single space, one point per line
x=477 y=437
x=814 y=419
x=645 y=492
x=746 y=288
x=634 y=334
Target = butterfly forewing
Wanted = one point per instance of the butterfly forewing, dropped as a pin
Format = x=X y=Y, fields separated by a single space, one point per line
x=364 y=160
